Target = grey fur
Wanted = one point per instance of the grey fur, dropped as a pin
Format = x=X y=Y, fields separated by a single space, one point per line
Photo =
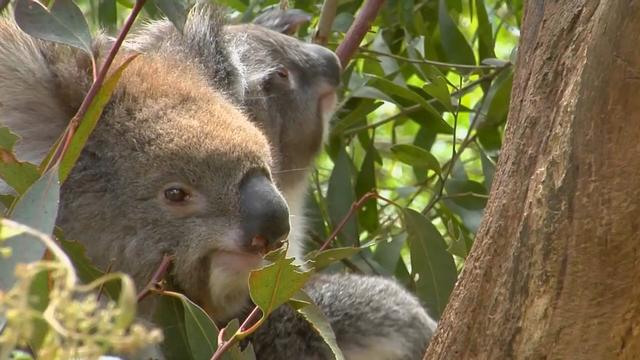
x=372 y=317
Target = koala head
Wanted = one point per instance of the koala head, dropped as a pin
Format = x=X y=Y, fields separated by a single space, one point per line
x=289 y=91
x=172 y=168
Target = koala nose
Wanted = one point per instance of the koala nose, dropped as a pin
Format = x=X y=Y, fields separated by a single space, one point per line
x=330 y=67
x=264 y=213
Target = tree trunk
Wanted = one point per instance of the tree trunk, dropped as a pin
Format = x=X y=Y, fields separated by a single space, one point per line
x=555 y=269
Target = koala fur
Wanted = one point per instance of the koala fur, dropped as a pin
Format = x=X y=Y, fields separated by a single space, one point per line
x=287 y=87
x=182 y=114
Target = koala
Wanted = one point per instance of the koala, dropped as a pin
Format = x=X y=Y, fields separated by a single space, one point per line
x=287 y=88
x=172 y=167
x=182 y=164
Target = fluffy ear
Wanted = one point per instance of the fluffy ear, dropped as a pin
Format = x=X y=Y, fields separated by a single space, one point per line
x=283 y=21
x=41 y=85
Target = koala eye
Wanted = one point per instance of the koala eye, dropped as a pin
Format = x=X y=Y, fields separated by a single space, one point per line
x=283 y=72
x=176 y=194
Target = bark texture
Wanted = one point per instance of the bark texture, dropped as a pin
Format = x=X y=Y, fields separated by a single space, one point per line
x=555 y=269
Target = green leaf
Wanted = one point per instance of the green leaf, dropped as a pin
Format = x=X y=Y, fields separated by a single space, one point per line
x=485 y=32
x=89 y=121
x=37 y=208
x=19 y=175
x=107 y=13
x=391 y=88
x=496 y=105
x=188 y=331
x=176 y=11
x=274 y=284
x=340 y=197
x=387 y=253
x=85 y=269
x=319 y=322
x=356 y=115
x=415 y=156
x=325 y=258
x=468 y=194
x=366 y=181
x=3 y=5
x=431 y=261
x=455 y=46
x=63 y=23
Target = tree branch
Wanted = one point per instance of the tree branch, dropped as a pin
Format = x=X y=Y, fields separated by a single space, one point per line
x=358 y=30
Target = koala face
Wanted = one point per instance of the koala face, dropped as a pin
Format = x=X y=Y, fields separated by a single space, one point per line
x=171 y=168
x=290 y=92
x=174 y=168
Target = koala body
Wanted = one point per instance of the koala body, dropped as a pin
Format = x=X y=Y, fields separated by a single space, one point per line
x=179 y=163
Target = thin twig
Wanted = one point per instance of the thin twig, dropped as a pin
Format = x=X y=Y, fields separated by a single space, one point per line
x=157 y=276
x=431 y=62
x=95 y=86
x=358 y=30
x=327 y=16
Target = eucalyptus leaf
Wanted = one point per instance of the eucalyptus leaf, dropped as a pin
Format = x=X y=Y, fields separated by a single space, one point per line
x=176 y=11
x=415 y=156
x=431 y=261
x=274 y=284
x=319 y=322
x=62 y=23
x=38 y=209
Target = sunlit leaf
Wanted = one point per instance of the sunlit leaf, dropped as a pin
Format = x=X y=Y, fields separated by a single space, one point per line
x=90 y=120
x=273 y=285
x=327 y=257
x=415 y=156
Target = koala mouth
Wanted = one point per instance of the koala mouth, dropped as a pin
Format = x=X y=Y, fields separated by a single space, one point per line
x=236 y=260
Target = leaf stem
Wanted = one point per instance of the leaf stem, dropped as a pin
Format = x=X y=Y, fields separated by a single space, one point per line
x=157 y=276
x=95 y=86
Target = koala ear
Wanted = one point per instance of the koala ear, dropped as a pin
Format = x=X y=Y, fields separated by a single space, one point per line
x=283 y=21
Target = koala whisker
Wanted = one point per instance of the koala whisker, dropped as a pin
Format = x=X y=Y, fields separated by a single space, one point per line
x=286 y=171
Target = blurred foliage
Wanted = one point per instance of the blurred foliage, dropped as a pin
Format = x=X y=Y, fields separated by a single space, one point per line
x=415 y=138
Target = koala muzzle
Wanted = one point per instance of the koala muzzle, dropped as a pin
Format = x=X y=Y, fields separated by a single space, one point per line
x=264 y=214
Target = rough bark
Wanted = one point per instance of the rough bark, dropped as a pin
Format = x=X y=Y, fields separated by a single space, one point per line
x=555 y=269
